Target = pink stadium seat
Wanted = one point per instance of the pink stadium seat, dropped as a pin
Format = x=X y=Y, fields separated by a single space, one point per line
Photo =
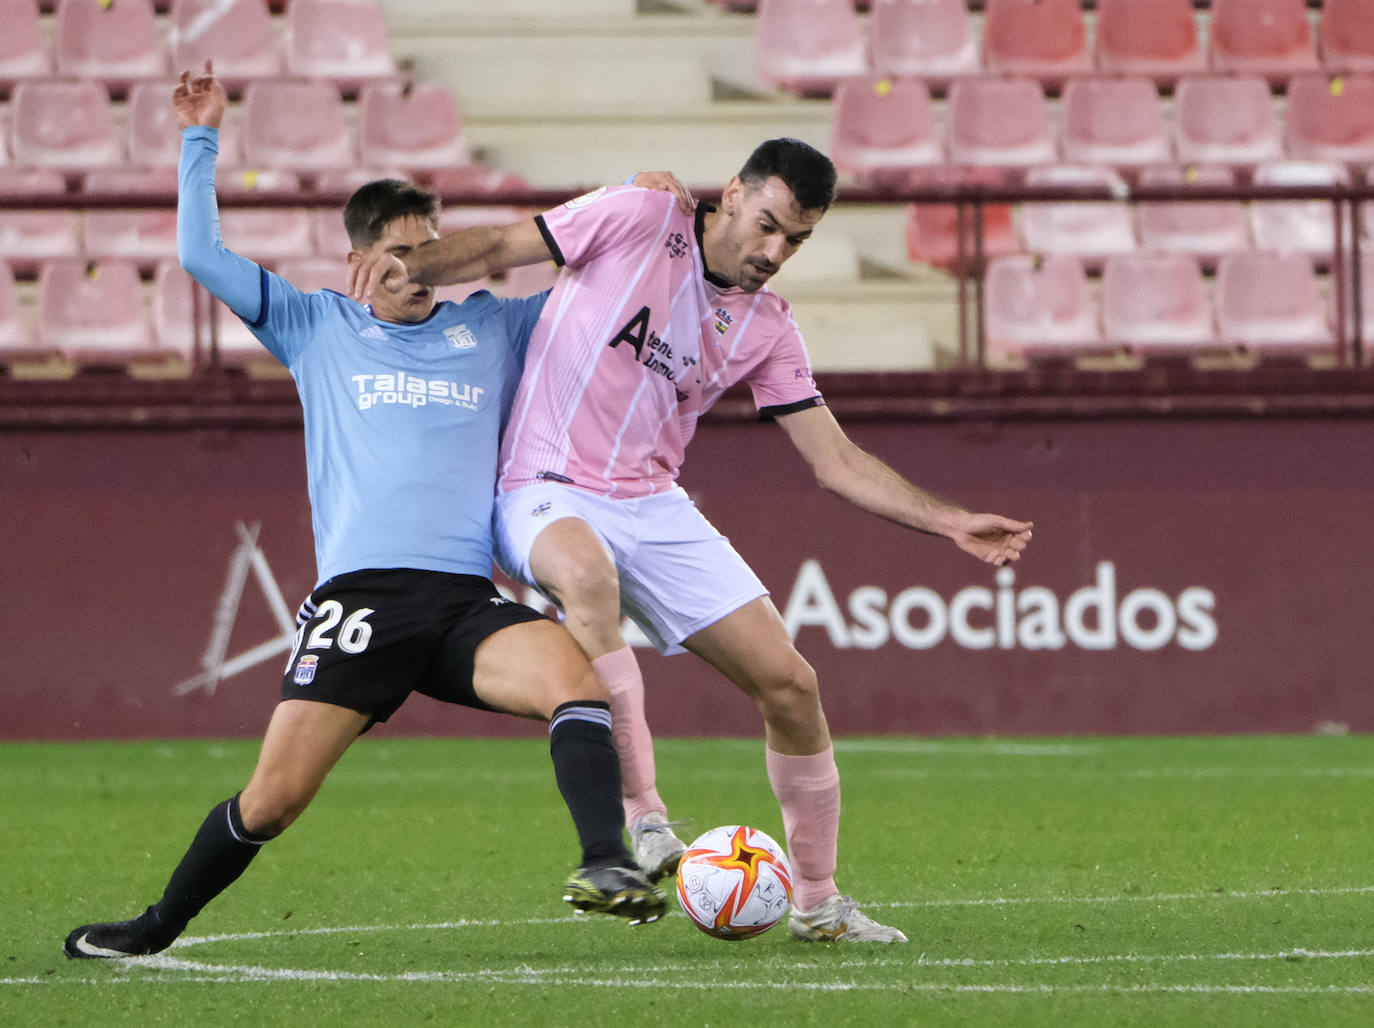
x=881 y=128
x=23 y=46
x=932 y=229
x=264 y=234
x=1347 y=35
x=999 y=123
x=1043 y=39
x=342 y=40
x=1300 y=226
x=1270 y=302
x=27 y=237
x=174 y=322
x=1205 y=230
x=151 y=132
x=1089 y=231
x=1118 y=122
x=474 y=178
x=93 y=312
x=114 y=43
x=1226 y=120
x=1331 y=118
x=1155 y=303
x=238 y=35
x=410 y=125
x=145 y=236
x=59 y=123
x=295 y=124
x=16 y=340
x=311 y=274
x=808 y=46
x=1157 y=39
x=1261 y=37
x=927 y=39
x=1036 y=307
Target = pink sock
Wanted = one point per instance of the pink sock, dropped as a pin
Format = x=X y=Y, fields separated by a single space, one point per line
x=808 y=789
x=620 y=671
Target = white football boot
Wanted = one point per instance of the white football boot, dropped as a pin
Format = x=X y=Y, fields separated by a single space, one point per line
x=839 y=919
x=657 y=849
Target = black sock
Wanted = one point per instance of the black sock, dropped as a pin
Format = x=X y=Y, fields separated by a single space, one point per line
x=219 y=853
x=588 y=773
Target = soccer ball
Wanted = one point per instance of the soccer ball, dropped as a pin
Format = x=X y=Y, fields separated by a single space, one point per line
x=734 y=882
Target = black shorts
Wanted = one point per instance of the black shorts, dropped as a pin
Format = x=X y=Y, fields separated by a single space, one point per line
x=368 y=639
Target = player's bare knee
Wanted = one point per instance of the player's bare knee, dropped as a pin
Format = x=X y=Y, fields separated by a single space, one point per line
x=587 y=587
x=789 y=693
x=267 y=811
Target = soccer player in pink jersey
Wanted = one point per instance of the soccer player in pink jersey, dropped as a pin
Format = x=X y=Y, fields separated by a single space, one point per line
x=656 y=313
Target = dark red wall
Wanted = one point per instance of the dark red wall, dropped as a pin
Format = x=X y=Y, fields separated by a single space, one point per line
x=1252 y=535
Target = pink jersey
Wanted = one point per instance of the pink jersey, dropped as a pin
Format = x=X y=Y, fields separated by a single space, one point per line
x=635 y=344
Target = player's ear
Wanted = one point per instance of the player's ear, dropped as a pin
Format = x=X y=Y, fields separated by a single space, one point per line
x=729 y=200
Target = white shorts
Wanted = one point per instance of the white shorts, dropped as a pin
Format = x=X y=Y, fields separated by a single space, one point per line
x=678 y=575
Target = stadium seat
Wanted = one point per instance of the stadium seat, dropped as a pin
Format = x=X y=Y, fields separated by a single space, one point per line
x=1261 y=37
x=264 y=234
x=174 y=322
x=881 y=128
x=1155 y=303
x=474 y=178
x=808 y=46
x=1331 y=118
x=16 y=340
x=1041 y=39
x=931 y=40
x=151 y=133
x=410 y=125
x=1155 y=39
x=1204 y=229
x=295 y=124
x=1089 y=231
x=29 y=236
x=1117 y=122
x=92 y=312
x=113 y=43
x=24 y=52
x=932 y=229
x=999 y=123
x=237 y=34
x=1346 y=34
x=65 y=124
x=145 y=236
x=1270 y=302
x=1038 y=306
x=311 y=274
x=1299 y=226
x=1225 y=120
x=344 y=41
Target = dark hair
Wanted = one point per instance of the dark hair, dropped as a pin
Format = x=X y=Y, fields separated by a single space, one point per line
x=374 y=206
x=803 y=169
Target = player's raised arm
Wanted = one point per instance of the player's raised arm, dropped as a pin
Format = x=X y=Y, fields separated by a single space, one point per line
x=462 y=256
x=849 y=471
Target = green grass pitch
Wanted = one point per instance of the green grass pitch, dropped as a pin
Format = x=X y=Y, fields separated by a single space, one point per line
x=1049 y=882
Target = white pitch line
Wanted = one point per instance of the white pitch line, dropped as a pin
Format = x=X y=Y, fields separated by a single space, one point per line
x=991 y=748
x=1168 y=897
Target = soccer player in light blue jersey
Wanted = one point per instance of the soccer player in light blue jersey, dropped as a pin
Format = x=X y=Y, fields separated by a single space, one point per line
x=404 y=402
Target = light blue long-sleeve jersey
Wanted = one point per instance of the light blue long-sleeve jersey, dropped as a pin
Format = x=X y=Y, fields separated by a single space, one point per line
x=402 y=421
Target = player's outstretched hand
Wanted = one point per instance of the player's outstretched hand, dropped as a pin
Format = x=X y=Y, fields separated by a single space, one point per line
x=371 y=270
x=994 y=539
x=199 y=99
x=668 y=182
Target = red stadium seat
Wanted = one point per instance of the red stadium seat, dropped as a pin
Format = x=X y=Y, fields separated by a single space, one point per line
x=932 y=229
x=66 y=124
x=1271 y=303
x=16 y=339
x=927 y=39
x=151 y=132
x=1204 y=229
x=1089 y=231
x=114 y=43
x=1043 y=39
x=1156 y=39
x=1300 y=226
x=881 y=128
x=264 y=234
x=27 y=237
x=1331 y=118
x=1155 y=303
x=1118 y=122
x=345 y=41
x=311 y=274
x=1226 y=120
x=142 y=235
x=92 y=312
x=1347 y=35
x=999 y=123
x=297 y=125
x=238 y=35
x=1038 y=306
x=174 y=322
x=410 y=125
x=808 y=46
x=23 y=46
x=1261 y=37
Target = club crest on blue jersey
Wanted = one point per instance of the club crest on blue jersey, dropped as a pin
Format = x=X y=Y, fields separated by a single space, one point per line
x=461 y=337
x=305 y=669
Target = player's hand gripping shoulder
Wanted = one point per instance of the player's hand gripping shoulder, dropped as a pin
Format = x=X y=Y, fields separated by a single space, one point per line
x=199 y=99
x=992 y=538
x=668 y=182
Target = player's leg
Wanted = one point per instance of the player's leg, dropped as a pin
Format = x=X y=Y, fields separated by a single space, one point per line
x=750 y=646
x=303 y=741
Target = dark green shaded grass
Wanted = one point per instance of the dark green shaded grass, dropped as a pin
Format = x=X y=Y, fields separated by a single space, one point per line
x=1042 y=882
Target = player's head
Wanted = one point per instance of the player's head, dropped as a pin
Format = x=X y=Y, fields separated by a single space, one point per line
x=770 y=208
x=394 y=217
